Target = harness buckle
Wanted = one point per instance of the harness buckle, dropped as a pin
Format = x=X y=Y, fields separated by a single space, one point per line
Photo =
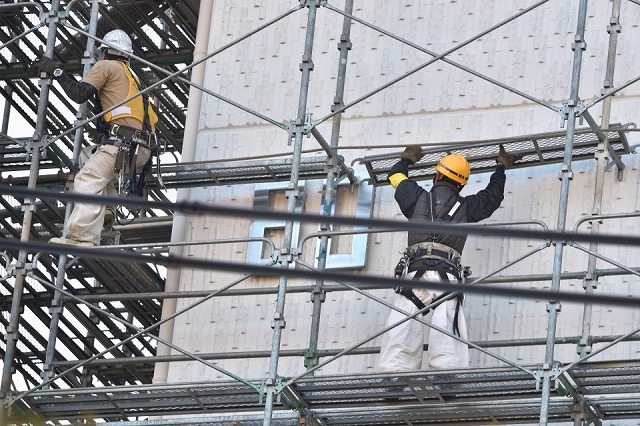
x=466 y=271
x=400 y=271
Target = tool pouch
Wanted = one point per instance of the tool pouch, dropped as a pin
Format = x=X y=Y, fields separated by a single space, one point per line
x=122 y=161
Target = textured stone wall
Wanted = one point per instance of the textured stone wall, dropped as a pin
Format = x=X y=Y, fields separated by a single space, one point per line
x=440 y=102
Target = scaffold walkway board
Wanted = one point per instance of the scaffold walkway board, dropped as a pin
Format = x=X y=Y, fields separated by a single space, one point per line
x=473 y=396
x=122 y=277
x=538 y=149
x=14 y=156
x=238 y=172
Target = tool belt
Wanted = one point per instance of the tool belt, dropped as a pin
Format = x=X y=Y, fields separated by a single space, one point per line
x=129 y=140
x=129 y=136
x=434 y=250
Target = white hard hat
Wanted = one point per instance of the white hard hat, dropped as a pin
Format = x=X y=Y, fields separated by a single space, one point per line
x=119 y=41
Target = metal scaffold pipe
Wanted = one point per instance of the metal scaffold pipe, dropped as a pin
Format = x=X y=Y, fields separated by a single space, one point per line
x=602 y=155
x=554 y=306
x=297 y=132
x=56 y=306
x=329 y=194
x=29 y=206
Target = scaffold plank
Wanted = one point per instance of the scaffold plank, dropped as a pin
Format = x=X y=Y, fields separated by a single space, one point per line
x=468 y=396
x=238 y=172
x=537 y=150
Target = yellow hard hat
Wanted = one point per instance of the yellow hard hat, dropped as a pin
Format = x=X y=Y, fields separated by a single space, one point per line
x=455 y=167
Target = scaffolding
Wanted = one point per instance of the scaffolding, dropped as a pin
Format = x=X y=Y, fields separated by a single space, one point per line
x=123 y=300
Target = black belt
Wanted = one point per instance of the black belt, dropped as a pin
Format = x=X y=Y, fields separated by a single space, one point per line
x=130 y=134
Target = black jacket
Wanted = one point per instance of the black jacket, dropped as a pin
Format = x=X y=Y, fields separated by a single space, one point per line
x=415 y=205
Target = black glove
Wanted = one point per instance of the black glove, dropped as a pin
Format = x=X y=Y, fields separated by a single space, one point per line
x=507 y=159
x=47 y=65
x=412 y=153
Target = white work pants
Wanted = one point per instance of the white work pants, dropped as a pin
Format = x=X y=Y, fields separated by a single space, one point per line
x=401 y=348
x=96 y=178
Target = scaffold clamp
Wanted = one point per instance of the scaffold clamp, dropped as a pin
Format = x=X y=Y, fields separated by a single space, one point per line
x=555 y=306
x=579 y=43
x=538 y=375
x=45 y=141
x=580 y=108
x=309 y=3
x=9 y=400
x=10 y=268
x=555 y=373
x=308 y=124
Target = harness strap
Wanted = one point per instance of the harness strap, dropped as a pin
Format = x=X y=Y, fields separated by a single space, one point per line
x=456 y=328
x=102 y=127
x=451 y=207
x=146 y=123
x=409 y=294
x=443 y=269
x=434 y=264
x=133 y=158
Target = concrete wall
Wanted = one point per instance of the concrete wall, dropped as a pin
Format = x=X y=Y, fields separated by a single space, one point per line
x=438 y=103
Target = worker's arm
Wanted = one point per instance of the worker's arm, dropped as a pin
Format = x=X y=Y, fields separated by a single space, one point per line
x=400 y=171
x=407 y=191
x=482 y=205
x=91 y=84
x=77 y=91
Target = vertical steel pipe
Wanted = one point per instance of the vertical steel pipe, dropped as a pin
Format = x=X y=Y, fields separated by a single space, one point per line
x=329 y=193
x=56 y=305
x=29 y=206
x=602 y=158
x=554 y=306
x=297 y=131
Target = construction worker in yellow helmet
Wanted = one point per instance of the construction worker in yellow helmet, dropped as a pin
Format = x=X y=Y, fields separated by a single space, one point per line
x=436 y=257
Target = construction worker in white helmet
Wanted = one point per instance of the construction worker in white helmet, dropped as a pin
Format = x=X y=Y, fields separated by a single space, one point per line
x=126 y=133
x=435 y=257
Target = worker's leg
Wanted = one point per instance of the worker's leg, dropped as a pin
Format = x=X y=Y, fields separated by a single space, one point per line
x=85 y=222
x=110 y=211
x=401 y=348
x=445 y=352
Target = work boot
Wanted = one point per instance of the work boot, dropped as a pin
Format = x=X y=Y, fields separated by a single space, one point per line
x=109 y=217
x=71 y=242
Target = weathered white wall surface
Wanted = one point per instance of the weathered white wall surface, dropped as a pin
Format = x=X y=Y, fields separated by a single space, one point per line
x=438 y=103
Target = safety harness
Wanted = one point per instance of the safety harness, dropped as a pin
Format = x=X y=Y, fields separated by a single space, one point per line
x=434 y=256
x=129 y=140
